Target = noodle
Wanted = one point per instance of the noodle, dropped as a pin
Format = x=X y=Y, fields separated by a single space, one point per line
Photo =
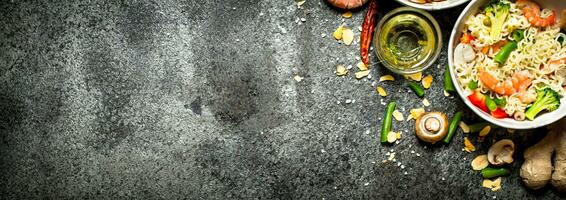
x=538 y=47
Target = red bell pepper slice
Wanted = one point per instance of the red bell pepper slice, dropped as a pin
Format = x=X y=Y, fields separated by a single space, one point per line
x=478 y=99
x=499 y=113
x=466 y=38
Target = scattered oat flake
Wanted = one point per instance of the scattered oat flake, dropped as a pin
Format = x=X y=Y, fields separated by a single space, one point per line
x=391 y=137
x=465 y=128
x=300 y=3
x=485 y=130
x=298 y=78
x=360 y=28
x=480 y=162
x=391 y=157
x=427 y=81
x=338 y=33
x=416 y=113
x=347 y=14
x=362 y=66
x=496 y=185
x=398 y=115
x=446 y=94
x=425 y=102
x=493 y=185
x=486 y=183
x=341 y=70
x=347 y=36
x=386 y=78
x=416 y=76
x=361 y=74
x=468 y=146
x=381 y=91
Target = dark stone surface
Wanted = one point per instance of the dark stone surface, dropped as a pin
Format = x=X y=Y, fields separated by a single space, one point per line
x=196 y=99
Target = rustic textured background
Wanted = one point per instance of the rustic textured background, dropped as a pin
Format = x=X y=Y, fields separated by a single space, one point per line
x=196 y=99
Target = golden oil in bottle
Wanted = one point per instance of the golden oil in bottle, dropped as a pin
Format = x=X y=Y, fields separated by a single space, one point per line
x=407 y=42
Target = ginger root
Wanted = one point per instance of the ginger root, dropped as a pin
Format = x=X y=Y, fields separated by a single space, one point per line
x=559 y=174
x=537 y=170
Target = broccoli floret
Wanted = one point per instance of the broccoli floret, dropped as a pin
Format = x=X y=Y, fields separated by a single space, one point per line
x=497 y=12
x=547 y=99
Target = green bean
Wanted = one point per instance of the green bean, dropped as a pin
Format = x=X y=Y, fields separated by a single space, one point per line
x=448 y=84
x=518 y=35
x=418 y=89
x=500 y=102
x=453 y=126
x=505 y=51
x=490 y=172
x=386 y=125
x=472 y=85
x=491 y=105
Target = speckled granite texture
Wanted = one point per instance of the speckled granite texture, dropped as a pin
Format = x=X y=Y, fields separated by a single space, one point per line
x=196 y=100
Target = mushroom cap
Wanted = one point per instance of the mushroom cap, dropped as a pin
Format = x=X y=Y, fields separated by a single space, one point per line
x=431 y=127
x=501 y=152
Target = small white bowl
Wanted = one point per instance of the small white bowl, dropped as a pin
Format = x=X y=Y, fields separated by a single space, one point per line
x=434 y=5
x=542 y=119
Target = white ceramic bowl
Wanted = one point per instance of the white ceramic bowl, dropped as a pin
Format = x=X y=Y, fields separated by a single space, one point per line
x=542 y=119
x=434 y=5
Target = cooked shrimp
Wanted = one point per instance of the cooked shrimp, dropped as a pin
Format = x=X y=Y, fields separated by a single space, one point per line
x=521 y=80
x=347 y=4
x=518 y=83
x=531 y=10
x=519 y=115
x=499 y=87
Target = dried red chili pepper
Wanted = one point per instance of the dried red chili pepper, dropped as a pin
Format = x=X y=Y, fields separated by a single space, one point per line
x=367 y=31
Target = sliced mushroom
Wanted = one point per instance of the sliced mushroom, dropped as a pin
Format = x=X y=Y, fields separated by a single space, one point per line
x=431 y=127
x=501 y=152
